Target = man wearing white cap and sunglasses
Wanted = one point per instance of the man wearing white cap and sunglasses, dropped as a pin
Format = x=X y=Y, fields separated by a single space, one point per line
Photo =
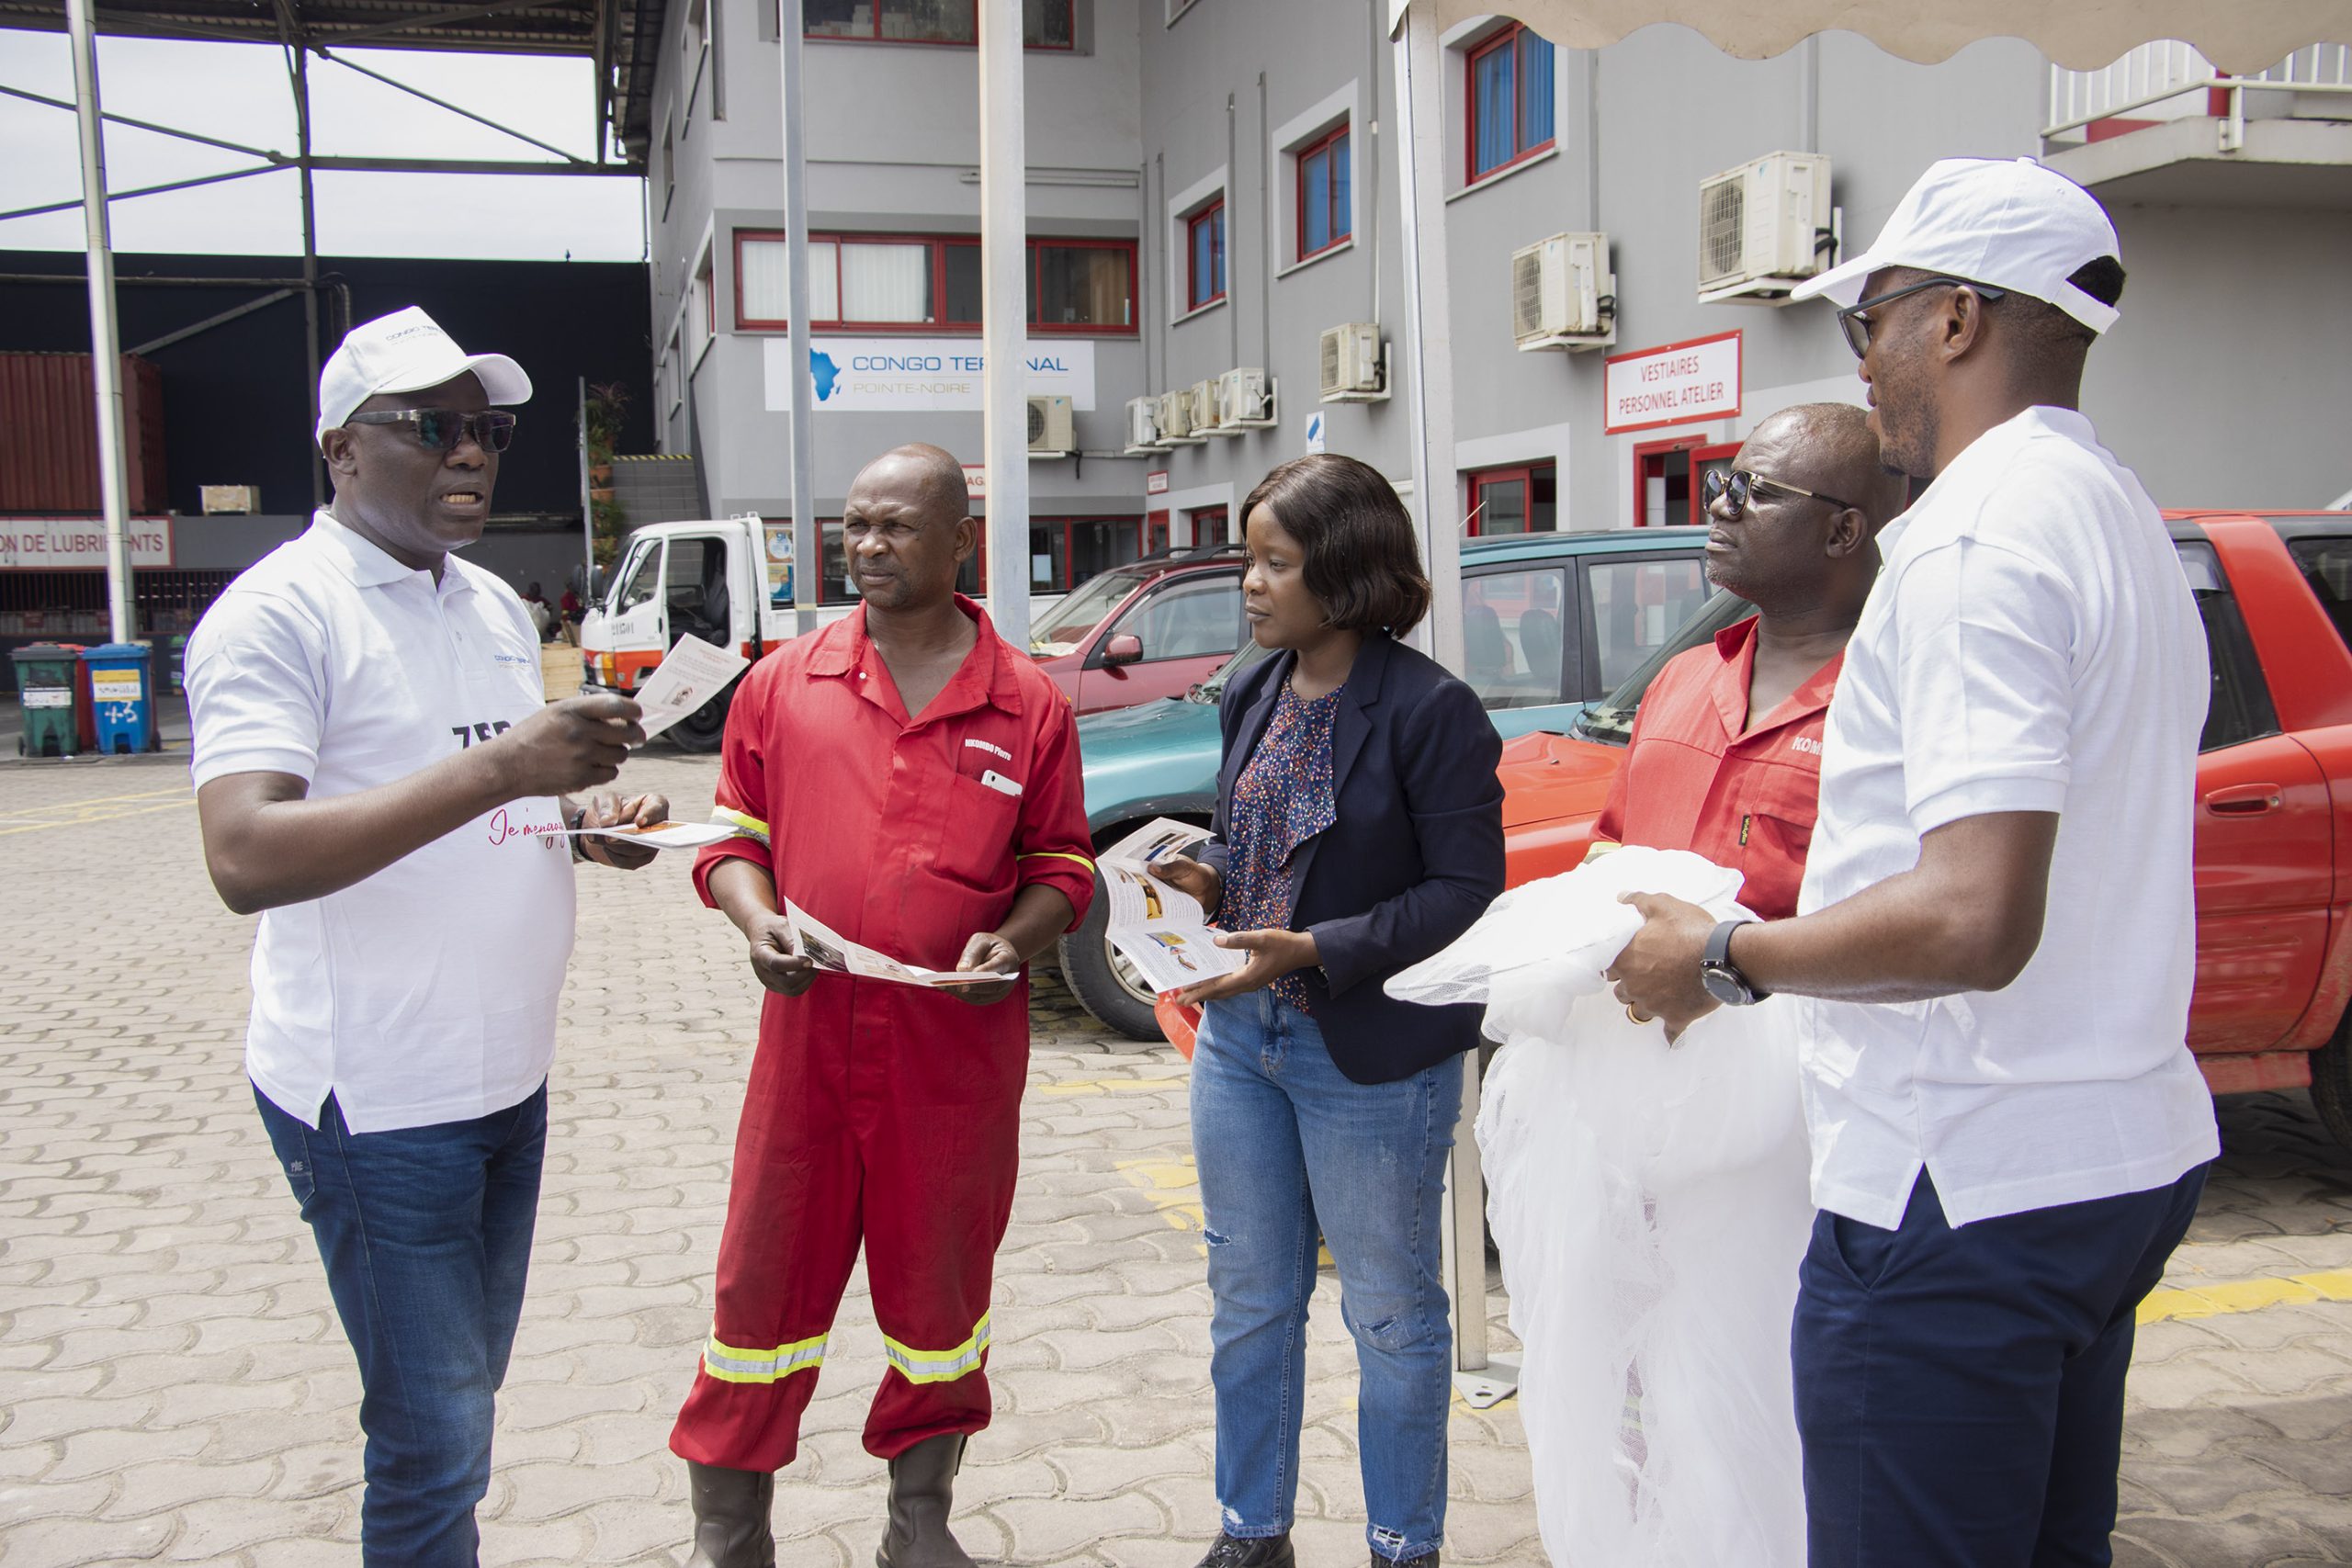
x=1994 y=947
x=378 y=772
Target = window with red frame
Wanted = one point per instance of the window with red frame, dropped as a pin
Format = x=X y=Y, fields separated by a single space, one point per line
x=1205 y=253
x=1509 y=99
x=1514 y=500
x=1044 y=24
x=895 y=282
x=1325 y=219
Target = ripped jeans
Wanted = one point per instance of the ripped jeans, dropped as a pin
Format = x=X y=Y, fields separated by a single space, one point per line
x=1289 y=1150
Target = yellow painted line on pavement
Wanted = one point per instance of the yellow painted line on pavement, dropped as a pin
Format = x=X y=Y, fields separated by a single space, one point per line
x=1172 y=1185
x=2245 y=1295
x=34 y=825
x=1111 y=1085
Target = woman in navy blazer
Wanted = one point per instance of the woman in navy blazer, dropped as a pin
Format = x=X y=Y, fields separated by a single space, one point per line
x=1359 y=829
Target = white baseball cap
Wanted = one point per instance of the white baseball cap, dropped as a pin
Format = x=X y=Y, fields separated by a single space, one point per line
x=2009 y=224
x=407 y=352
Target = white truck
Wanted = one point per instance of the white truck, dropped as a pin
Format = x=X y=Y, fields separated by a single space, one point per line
x=728 y=582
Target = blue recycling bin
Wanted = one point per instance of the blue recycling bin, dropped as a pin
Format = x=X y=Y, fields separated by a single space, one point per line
x=122 y=696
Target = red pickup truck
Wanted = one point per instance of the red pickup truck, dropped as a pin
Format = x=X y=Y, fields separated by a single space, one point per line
x=2274 y=798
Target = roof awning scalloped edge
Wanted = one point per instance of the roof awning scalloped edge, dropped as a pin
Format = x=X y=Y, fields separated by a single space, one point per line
x=2237 y=36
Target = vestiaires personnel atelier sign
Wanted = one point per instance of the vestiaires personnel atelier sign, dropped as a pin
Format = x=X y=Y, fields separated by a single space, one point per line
x=1679 y=383
x=916 y=375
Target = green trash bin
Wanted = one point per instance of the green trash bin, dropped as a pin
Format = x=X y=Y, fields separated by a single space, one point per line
x=45 y=674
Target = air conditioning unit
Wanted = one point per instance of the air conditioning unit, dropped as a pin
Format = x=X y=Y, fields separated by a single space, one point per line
x=1355 y=366
x=1764 y=228
x=1208 y=413
x=1563 y=294
x=1049 y=428
x=1245 y=401
x=1143 y=426
x=1175 y=419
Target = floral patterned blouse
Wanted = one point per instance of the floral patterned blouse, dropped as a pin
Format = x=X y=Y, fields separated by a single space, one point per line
x=1282 y=799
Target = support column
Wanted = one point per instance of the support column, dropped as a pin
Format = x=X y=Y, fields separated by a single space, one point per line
x=1004 y=314
x=1428 y=328
x=310 y=262
x=106 y=363
x=807 y=538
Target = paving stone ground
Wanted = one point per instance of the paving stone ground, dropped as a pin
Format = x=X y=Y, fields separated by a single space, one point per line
x=173 y=1387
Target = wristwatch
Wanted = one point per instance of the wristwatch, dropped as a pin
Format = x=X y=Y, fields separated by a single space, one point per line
x=1723 y=979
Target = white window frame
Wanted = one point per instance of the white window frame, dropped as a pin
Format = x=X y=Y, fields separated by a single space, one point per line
x=1216 y=186
x=1457 y=42
x=1342 y=108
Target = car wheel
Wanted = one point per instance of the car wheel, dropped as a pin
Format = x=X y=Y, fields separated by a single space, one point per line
x=2332 y=1083
x=704 y=728
x=1105 y=984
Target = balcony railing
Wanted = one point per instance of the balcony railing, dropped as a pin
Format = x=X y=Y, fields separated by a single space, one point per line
x=2172 y=81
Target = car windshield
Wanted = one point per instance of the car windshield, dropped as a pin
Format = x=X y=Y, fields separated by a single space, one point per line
x=1066 y=624
x=1611 y=718
x=1210 y=690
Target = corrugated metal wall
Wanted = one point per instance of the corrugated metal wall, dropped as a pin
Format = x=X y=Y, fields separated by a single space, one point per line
x=49 y=434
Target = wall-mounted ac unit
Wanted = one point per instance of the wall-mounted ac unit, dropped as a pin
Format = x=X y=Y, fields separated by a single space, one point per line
x=1049 y=428
x=1764 y=228
x=1355 y=364
x=1563 y=294
x=1245 y=401
x=1143 y=426
x=1207 y=414
x=1175 y=419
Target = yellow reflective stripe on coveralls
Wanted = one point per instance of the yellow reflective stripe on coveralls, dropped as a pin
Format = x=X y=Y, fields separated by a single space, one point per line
x=1057 y=854
x=741 y=822
x=939 y=1366
x=730 y=1364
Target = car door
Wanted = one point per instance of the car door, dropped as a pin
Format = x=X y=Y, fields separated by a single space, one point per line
x=1187 y=624
x=1516 y=650
x=2264 y=858
x=1633 y=604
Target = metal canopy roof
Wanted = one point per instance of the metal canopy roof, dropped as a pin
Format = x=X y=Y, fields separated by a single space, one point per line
x=622 y=37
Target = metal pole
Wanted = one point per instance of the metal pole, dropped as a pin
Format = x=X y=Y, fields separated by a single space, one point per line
x=106 y=367
x=1004 y=315
x=1420 y=165
x=587 y=506
x=807 y=538
x=310 y=263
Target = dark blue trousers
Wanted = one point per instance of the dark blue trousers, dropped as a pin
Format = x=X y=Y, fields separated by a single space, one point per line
x=1960 y=1392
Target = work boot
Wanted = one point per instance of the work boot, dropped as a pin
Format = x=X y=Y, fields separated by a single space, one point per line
x=1425 y=1560
x=922 y=1492
x=1260 y=1552
x=731 y=1510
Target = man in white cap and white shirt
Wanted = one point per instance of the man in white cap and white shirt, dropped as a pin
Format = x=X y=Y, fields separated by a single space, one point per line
x=1994 y=943
x=378 y=772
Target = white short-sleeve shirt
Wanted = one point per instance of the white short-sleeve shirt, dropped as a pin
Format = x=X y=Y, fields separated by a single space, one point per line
x=2030 y=645
x=427 y=992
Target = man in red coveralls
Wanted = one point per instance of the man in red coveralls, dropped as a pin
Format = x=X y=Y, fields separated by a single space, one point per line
x=911 y=780
x=1725 y=754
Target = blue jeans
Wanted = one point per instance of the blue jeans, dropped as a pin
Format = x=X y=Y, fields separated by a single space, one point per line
x=426 y=1234
x=1286 y=1144
x=1959 y=1392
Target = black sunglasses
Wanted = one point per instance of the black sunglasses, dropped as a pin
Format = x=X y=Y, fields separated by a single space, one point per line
x=1853 y=321
x=440 y=430
x=1741 y=484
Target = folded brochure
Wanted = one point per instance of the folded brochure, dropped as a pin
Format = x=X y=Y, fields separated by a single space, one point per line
x=836 y=954
x=663 y=835
x=1160 y=929
x=695 y=672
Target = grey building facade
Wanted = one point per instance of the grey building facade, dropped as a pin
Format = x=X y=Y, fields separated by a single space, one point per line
x=1215 y=183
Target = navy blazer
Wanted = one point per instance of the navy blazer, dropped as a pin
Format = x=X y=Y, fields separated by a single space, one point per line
x=1415 y=856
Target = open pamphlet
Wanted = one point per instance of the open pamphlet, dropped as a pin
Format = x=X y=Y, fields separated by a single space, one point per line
x=1160 y=929
x=663 y=835
x=836 y=953
x=695 y=672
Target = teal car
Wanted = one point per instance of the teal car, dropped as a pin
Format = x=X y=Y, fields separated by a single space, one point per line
x=1550 y=624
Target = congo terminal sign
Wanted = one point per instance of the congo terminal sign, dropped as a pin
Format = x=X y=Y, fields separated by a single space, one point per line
x=1678 y=383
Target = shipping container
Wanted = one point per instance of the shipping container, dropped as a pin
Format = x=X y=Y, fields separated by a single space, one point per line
x=49 y=434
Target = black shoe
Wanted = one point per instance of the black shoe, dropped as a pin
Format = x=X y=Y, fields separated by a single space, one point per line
x=1263 y=1551
x=1425 y=1560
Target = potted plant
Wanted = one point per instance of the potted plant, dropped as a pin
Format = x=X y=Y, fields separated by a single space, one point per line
x=608 y=407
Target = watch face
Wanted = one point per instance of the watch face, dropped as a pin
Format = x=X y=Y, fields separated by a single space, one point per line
x=1724 y=986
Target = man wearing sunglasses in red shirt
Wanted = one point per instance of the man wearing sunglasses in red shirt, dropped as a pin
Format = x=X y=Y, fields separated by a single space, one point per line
x=1725 y=756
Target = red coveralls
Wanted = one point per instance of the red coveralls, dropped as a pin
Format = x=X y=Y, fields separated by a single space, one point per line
x=876 y=1110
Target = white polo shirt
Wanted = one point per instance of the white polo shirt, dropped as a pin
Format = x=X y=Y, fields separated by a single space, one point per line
x=2030 y=645
x=427 y=992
